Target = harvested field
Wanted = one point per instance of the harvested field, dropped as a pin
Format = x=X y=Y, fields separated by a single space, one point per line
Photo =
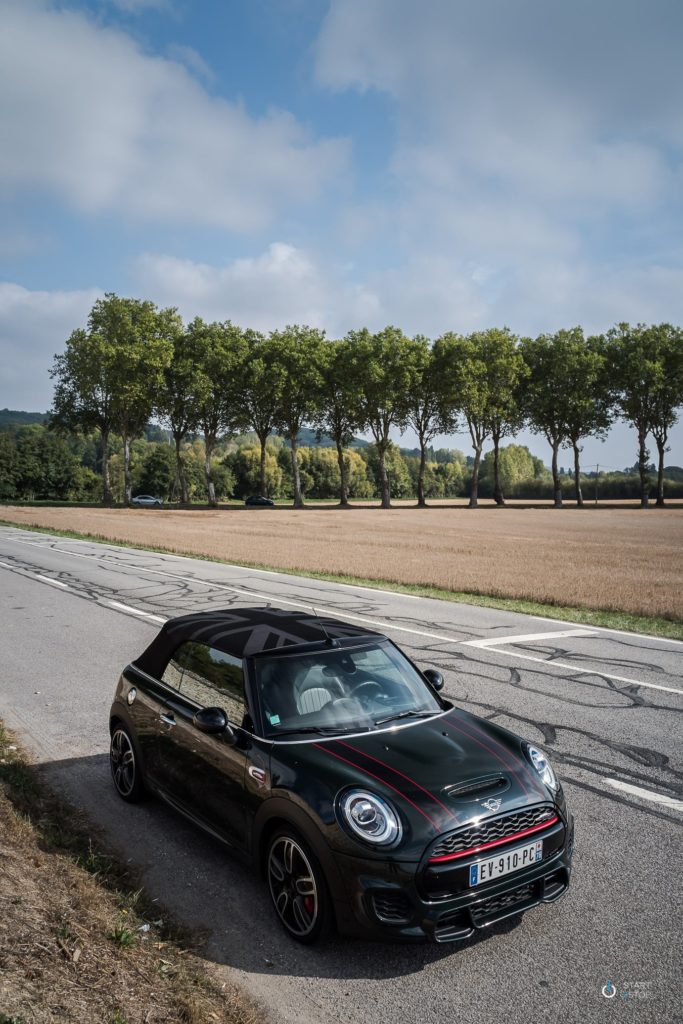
x=617 y=560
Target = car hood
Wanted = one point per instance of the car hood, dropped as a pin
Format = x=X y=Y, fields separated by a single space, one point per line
x=440 y=774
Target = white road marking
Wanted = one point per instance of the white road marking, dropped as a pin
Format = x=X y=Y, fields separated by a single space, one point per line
x=587 y=671
x=55 y=583
x=340 y=613
x=244 y=568
x=646 y=794
x=615 y=632
x=238 y=590
x=301 y=604
x=135 y=611
x=5 y=565
x=527 y=638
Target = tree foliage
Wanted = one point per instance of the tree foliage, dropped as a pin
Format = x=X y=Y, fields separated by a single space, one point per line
x=133 y=362
x=337 y=411
x=382 y=376
x=298 y=361
x=219 y=352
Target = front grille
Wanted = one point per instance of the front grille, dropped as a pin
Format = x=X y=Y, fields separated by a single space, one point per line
x=490 y=830
x=392 y=907
x=497 y=905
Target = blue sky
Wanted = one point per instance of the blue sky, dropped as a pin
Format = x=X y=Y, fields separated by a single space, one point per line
x=440 y=165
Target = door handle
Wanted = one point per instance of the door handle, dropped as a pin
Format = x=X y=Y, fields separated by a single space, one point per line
x=167 y=719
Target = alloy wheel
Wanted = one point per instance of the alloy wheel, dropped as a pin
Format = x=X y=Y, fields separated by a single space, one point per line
x=122 y=759
x=293 y=887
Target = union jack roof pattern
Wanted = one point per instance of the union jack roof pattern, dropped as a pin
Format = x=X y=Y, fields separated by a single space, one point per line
x=243 y=632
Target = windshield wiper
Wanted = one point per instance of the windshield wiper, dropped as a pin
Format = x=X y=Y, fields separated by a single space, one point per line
x=407 y=714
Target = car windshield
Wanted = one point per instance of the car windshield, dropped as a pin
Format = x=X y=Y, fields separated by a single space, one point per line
x=339 y=690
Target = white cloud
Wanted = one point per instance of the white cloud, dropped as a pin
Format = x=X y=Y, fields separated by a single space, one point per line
x=282 y=285
x=192 y=60
x=562 y=104
x=87 y=116
x=34 y=325
x=429 y=295
x=534 y=143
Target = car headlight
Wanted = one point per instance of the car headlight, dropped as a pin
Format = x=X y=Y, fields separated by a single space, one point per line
x=542 y=765
x=371 y=818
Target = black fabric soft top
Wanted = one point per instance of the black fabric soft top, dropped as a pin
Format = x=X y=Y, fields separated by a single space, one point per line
x=243 y=632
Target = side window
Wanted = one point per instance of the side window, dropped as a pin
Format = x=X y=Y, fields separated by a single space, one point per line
x=211 y=677
x=174 y=670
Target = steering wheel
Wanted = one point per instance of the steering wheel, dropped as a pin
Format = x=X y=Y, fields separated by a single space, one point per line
x=363 y=691
x=364 y=688
x=344 y=704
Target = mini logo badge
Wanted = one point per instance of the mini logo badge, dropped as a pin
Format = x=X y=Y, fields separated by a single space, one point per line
x=492 y=804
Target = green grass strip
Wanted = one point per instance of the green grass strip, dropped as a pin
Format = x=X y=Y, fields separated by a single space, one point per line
x=612 y=618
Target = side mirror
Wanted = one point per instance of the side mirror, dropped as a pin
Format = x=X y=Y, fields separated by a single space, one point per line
x=434 y=678
x=213 y=721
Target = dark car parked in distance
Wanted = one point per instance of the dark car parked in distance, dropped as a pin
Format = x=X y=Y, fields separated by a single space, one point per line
x=258 y=501
x=317 y=750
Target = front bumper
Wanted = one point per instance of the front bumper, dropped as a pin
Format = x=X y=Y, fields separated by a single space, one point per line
x=393 y=900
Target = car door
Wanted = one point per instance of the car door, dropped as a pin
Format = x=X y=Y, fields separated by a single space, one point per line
x=205 y=774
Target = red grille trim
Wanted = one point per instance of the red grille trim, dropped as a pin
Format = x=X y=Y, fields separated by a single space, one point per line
x=495 y=842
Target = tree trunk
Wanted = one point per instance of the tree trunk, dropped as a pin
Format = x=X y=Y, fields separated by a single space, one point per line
x=661 y=448
x=210 y=486
x=343 y=487
x=642 y=469
x=262 y=442
x=107 y=496
x=181 y=478
x=474 y=488
x=577 y=476
x=557 y=486
x=384 y=479
x=497 y=489
x=296 y=476
x=127 y=484
x=421 y=503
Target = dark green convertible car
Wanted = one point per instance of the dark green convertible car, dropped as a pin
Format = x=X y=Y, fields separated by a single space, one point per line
x=319 y=752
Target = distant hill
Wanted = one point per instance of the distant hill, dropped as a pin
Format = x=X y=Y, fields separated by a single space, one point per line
x=15 y=416
x=308 y=439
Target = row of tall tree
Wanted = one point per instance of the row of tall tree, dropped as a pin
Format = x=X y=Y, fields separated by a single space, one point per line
x=36 y=464
x=134 y=362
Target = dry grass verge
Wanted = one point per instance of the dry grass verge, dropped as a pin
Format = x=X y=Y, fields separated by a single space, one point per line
x=78 y=942
x=621 y=560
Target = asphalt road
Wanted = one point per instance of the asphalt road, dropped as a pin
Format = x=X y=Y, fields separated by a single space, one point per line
x=605 y=705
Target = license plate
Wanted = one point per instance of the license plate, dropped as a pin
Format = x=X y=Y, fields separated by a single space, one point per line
x=506 y=863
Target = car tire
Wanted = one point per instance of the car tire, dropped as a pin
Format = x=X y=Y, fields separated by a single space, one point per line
x=126 y=768
x=297 y=887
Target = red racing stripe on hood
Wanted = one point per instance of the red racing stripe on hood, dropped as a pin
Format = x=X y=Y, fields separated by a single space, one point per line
x=366 y=771
x=478 y=735
x=412 y=782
